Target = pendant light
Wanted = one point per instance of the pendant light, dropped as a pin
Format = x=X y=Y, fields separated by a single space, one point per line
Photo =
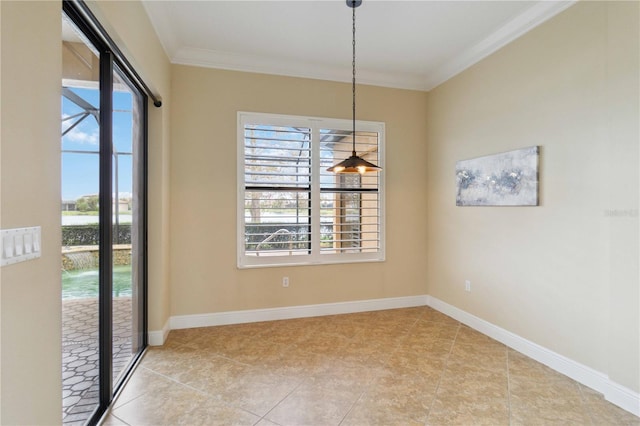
x=354 y=164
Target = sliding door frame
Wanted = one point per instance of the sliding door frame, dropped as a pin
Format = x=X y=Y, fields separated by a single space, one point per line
x=105 y=213
x=111 y=57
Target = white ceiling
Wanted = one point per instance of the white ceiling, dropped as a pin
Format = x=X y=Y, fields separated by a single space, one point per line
x=403 y=44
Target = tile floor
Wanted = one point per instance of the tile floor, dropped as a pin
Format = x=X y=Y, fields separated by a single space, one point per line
x=411 y=366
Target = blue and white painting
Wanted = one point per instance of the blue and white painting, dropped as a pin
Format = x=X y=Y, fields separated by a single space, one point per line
x=505 y=179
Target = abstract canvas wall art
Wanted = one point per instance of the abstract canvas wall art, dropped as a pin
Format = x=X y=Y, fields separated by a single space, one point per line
x=505 y=179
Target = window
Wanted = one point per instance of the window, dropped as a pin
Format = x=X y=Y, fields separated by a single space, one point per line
x=291 y=211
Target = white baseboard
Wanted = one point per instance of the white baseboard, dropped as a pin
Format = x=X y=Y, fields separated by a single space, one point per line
x=157 y=338
x=613 y=392
x=622 y=397
x=290 y=312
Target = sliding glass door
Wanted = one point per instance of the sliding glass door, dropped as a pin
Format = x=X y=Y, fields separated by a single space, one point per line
x=104 y=116
x=128 y=223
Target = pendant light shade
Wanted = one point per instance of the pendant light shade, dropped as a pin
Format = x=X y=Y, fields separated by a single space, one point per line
x=354 y=164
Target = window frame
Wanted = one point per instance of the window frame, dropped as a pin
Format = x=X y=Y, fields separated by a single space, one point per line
x=315 y=124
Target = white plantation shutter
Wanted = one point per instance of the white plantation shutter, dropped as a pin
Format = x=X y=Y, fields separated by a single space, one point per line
x=349 y=202
x=290 y=209
x=277 y=185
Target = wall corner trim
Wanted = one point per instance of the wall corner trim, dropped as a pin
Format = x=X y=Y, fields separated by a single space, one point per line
x=613 y=392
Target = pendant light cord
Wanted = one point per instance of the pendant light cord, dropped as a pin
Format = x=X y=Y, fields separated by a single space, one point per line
x=353 y=85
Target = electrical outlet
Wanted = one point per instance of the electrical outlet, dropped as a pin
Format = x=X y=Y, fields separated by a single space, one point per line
x=467 y=285
x=285 y=281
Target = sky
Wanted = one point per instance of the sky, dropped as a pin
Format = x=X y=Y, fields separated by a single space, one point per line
x=80 y=171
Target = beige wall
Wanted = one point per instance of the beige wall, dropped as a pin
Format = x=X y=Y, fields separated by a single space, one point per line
x=204 y=276
x=30 y=186
x=30 y=313
x=564 y=274
x=623 y=122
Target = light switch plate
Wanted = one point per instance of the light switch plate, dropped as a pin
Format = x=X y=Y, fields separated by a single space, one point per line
x=20 y=244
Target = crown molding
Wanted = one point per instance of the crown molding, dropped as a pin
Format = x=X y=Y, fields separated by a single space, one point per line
x=509 y=32
x=184 y=55
x=291 y=68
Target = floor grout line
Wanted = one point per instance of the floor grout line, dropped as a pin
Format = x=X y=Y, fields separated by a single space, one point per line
x=583 y=400
x=444 y=370
x=352 y=406
x=508 y=387
x=280 y=402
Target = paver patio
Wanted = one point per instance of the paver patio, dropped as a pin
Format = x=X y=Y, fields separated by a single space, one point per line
x=80 y=353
